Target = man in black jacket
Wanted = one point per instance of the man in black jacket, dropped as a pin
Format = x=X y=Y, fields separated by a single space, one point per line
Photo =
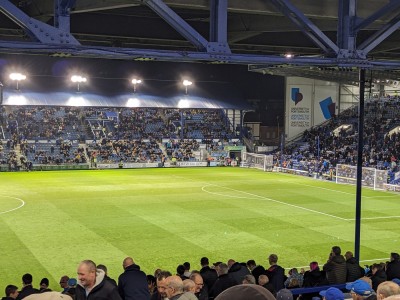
x=132 y=284
x=209 y=275
x=393 y=267
x=237 y=271
x=335 y=267
x=275 y=273
x=223 y=282
x=255 y=270
x=91 y=284
x=28 y=288
x=354 y=270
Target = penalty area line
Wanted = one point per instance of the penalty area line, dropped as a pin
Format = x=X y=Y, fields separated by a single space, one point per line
x=276 y=201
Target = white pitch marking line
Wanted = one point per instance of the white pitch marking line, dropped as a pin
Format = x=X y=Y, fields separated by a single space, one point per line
x=376 y=218
x=280 y=202
x=341 y=192
x=364 y=260
x=218 y=194
x=322 y=188
x=10 y=210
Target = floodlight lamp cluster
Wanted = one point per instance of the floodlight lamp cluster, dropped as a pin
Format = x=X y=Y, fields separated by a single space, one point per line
x=17 y=77
x=78 y=79
x=186 y=83
x=135 y=82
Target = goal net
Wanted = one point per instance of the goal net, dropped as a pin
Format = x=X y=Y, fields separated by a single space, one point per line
x=371 y=177
x=259 y=161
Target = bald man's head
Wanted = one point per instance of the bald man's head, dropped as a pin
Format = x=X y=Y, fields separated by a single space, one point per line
x=174 y=286
x=127 y=262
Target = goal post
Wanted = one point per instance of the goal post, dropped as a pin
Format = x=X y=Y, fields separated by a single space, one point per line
x=371 y=177
x=258 y=161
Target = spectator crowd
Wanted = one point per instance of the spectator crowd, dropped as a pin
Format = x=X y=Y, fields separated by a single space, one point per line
x=231 y=280
x=321 y=148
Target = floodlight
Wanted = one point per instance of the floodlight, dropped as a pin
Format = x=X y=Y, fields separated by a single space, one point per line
x=186 y=83
x=135 y=82
x=17 y=77
x=78 y=79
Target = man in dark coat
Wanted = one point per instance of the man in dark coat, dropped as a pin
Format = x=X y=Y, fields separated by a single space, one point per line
x=27 y=287
x=354 y=270
x=393 y=267
x=223 y=282
x=335 y=267
x=209 y=275
x=91 y=284
x=237 y=271
x=132 y=284
x=255 y=270
x=275 y=273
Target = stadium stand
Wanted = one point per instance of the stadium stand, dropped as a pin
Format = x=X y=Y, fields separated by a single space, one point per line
x=322 y=147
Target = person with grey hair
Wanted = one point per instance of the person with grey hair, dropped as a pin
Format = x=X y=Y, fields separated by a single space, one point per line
x=386 y=289
x=201 y=290
x=224 y=281
x=174 y=289
x=189 y=286
x=249 y=279
x=91 y=283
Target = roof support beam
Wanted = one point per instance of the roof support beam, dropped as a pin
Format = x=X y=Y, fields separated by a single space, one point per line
x=306 y=26
x=61 y=14
x=218 y=26
x=390 y=7
x=180 y=25
x=379 y=36
x=164 y=55
x=37 y=30
x=346 y=36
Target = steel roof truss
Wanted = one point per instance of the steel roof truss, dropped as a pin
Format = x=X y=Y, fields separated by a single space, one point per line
x=306 y=26
x=180 y=25
x=390 y=7
x=61 y=14
x=37 y=30
x=380 y=35
x=218 y=27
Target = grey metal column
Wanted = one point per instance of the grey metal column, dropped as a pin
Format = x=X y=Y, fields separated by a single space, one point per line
x=359 y=165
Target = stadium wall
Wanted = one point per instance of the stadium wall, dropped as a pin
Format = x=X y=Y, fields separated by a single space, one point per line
x=308 y=103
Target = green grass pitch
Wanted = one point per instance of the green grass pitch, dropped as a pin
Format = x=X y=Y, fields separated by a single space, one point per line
x=163 y=217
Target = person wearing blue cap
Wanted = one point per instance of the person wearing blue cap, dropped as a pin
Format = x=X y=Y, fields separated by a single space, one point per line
x=360 y=290
x=332 y=294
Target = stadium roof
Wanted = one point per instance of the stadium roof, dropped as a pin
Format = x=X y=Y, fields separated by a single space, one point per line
x=161 y=94
x=329 y=40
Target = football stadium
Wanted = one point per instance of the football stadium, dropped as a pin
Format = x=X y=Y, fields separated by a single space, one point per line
x=199 y=150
